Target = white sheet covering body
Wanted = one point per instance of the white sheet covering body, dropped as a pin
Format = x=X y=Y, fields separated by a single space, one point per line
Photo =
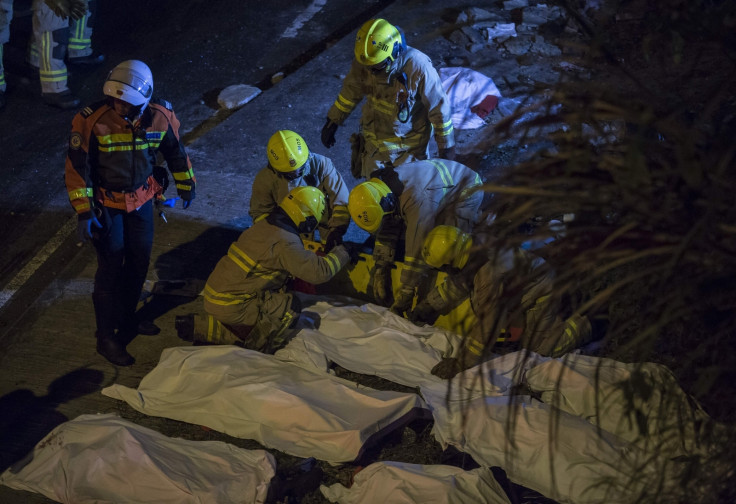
x=369 y=339
x=465 y=88
x=400 y=483
x=104 y=459
x=641 y=403
x=251 y=395
x=476 y=415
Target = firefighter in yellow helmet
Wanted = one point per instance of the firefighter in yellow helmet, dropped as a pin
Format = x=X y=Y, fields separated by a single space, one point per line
x=290 y=165
x=405 y=102
x=510 y=290
x=247 y=297
x=404 y=203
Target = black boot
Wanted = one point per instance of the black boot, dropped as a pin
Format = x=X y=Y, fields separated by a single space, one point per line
x=185 y=327
x=113 y=350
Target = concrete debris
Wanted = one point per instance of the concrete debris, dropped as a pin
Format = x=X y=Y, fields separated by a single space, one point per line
x=472 y=14
x=458 y=37
x=540 y=14
x=472 y=34
x=236 y=96
x=499 y=30
x=515 y=4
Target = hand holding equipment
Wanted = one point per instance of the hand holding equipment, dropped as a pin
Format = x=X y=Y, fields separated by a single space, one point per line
x=353 y=250
x=334 y=237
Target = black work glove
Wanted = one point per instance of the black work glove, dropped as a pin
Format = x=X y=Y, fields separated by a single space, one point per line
x=354 y=252
x=447 y=368
x=328 y=133
x=186 y=198
x=84 y=228
x=448 y=153
x=404 y=300
x=423 y=313
x=334 y=237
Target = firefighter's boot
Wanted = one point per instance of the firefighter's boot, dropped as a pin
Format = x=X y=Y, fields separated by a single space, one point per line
x=109 y=344
x=113 y=349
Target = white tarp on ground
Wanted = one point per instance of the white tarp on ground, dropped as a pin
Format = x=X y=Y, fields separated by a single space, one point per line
x=399 y=483
x=105 y=459
x=585 y=464
x=251 y=395
x=466 y=89
x=641 y=403
x=369 y=339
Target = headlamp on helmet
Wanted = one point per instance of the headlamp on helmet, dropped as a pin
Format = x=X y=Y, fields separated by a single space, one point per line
x=287 y=153
x=305 y=206
x=446 y=245
x=132 y=82
x=369 y=202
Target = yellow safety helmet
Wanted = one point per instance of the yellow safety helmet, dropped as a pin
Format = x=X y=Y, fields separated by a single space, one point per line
x=446 y=245
x=305 y=206
x=377 y=41
x=287 y=151
x=369 y=202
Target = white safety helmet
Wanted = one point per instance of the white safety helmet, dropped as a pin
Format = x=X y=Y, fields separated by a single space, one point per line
x=132 y=82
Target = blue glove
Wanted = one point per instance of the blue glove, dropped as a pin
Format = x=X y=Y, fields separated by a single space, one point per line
x=170 y=202
x=84 y=228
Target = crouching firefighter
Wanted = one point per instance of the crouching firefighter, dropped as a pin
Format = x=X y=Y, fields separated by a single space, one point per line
x=247 y=297
x=511 y=292
x=109 y=176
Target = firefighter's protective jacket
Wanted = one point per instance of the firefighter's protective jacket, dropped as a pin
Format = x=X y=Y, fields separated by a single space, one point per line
x=430 y=193
x=269 y=188
x=264 y=257
x=411 y=82
x=110 y=161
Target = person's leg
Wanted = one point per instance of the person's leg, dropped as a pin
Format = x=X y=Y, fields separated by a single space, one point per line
x=277 y=312
x=6 y=16
x=50 y=39
x=80 y=39
x=110 y=249
x=138 y=242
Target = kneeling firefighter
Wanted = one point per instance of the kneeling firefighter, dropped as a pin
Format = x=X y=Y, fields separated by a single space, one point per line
x=247 y=297
x=509 y=291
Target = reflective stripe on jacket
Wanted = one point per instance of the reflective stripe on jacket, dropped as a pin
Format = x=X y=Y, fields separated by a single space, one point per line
x=109 y=158
x=264 y=257
x=269 y=188
x=428 y=106
x=430 y=193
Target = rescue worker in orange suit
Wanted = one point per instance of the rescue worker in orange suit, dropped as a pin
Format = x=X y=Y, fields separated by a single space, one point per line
x=405 y=102
x=290 y=165
x=510 y=291
x=405 y=203
x=247 y=296
x=113 y=148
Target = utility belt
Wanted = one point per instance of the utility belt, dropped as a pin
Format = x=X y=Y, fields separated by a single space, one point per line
x=129 y=200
